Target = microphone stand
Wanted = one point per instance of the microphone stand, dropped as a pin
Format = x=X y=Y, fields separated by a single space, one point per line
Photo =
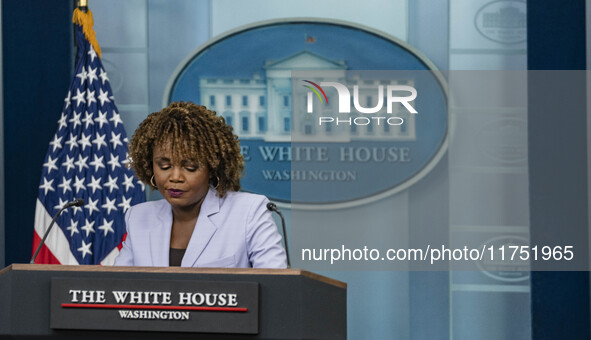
x=271 y=206
x=78 y=202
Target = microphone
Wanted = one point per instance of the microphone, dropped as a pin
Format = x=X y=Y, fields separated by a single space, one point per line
x=273 y=207
x=77 y=202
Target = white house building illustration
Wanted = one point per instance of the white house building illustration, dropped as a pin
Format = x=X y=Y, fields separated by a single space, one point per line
x=261 y=107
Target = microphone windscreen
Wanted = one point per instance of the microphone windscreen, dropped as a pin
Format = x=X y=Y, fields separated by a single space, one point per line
x=79 y=202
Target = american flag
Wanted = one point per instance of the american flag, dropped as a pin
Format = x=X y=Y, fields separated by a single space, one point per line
x=86 y=159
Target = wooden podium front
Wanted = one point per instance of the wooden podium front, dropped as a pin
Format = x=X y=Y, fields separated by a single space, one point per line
x=95 y=302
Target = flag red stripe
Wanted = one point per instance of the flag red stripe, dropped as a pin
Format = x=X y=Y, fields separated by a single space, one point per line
x=45 y=256
x=122 y=240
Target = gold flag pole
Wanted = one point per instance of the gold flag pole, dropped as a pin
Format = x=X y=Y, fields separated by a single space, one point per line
x=83 y=17
x=83 y=5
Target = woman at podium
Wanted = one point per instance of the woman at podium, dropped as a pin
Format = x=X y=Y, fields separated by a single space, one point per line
x=191 y=156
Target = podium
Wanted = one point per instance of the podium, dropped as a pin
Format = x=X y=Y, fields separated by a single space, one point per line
x=95 y=302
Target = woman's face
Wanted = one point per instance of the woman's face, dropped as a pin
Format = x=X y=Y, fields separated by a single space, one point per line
x=183 y=183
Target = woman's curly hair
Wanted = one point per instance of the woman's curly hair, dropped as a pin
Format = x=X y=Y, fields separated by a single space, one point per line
x=194 y=133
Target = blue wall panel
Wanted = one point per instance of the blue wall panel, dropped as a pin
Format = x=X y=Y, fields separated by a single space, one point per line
x=37 y=66
x=558 y=165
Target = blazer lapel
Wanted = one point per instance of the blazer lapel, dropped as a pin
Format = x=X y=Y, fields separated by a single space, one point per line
x=204 y=229
x=160 y=236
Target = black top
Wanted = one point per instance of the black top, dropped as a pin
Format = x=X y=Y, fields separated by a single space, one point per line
x=176 y=257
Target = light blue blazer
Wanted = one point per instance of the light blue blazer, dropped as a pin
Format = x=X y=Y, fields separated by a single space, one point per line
x=236 y=231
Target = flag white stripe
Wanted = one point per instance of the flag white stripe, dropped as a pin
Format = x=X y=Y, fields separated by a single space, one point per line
x=110 y=258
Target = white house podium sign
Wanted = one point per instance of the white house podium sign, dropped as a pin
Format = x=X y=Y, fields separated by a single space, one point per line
x=95 y=302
